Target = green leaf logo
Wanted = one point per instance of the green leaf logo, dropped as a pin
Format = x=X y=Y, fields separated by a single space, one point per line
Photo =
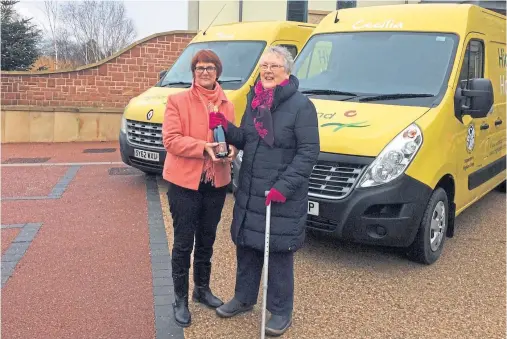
x=339 y=125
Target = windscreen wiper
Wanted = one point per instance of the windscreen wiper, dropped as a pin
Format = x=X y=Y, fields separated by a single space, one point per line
x=230 y=80
x=328 y=92
x=397 y=96
x=174 y=83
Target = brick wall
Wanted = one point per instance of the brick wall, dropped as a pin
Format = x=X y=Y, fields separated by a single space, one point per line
x=109 y=83
x=316 y=16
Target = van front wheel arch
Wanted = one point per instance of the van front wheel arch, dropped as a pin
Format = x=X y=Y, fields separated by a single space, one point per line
x=429 y=241
x=501 y=187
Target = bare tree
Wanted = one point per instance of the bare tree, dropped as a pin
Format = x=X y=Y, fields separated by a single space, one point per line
x=101 y=28
x=51 y=12
x=82 y=32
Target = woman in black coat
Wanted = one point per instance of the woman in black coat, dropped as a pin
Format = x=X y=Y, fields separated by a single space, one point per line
x=280 y=141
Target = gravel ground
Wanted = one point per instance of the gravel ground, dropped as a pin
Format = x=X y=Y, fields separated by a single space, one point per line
x=353 y=291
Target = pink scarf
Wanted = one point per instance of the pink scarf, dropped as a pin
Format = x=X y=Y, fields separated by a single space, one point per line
x=261 y=104
x=210 y=98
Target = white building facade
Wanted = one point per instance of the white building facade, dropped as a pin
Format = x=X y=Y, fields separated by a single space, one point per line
x=201 y=13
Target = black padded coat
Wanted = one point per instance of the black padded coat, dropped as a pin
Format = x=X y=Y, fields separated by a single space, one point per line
x=287 y=167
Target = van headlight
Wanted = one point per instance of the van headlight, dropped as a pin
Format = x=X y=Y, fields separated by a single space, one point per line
x=394 y=158
x=123 y=126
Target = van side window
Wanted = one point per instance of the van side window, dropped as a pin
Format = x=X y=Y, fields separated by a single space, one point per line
x=292 y=49
x=473 y=64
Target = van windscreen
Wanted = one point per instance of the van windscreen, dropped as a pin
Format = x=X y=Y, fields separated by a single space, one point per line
x=238 y=61
x=373 y=64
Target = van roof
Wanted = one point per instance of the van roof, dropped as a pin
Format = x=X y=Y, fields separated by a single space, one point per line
x=436 y=17
x=254 y=30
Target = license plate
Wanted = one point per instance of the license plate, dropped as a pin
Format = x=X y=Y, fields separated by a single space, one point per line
x=313 y=208
x=146 y=155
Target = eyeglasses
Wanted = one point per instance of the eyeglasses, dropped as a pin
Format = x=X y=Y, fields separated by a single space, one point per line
x=273 y=67
x=209 y=69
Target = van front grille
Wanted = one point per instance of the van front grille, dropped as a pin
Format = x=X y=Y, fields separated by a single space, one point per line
x=331 y=180
x=146 y=134
x=321 y=223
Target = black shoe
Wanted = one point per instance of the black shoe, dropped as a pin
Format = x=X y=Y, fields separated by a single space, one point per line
x=180 y=306
x=202 y=292
x=277 y=325
x=232 y=308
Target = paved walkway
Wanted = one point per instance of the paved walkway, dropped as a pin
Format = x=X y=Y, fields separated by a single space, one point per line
x=84 y=251
x=85 y=254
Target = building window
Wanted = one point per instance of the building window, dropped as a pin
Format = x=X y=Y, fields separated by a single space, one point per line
x=297 y=10
x=345 y=4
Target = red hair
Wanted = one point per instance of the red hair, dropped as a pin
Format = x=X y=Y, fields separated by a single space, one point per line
x=207 y=55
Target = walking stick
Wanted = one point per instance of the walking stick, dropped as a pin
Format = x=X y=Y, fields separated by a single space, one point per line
x=266 y=262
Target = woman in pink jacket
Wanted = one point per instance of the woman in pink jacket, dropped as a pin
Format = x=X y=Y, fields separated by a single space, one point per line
x=197 y=180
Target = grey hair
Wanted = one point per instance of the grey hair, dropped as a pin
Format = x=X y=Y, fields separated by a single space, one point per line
x=285 y=54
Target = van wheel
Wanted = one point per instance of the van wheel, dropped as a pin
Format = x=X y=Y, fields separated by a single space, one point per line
x=501 y=187
x=429 y=241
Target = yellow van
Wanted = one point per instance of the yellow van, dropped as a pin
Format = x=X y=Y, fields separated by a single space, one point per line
x=239 y=47
x=411 y=105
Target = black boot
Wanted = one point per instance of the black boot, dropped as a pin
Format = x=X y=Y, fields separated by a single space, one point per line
x=202 y=292
x=232 y=308
x=277 y=325
x=180 y=305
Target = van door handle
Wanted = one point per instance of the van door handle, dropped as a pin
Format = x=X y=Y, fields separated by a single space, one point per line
x=484 y=126
x=498 y=122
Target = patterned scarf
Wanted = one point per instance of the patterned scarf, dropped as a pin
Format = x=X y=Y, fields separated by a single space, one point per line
x=261 y=104
x=211 y=99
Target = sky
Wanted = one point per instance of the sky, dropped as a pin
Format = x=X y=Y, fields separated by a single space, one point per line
x=149 y=16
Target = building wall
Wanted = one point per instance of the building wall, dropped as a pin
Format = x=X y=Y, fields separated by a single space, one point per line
x=208 y=10
x=193 y=15
x=202 y=12
x=108 y=83
x=366 y=3
x=321 y=5
x=84 y=104
x=255 y=10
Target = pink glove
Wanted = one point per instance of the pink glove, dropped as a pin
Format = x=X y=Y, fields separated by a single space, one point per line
x=217 y=118
x=275 y=196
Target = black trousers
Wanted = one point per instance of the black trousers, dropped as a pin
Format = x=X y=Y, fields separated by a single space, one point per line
x=195 y=214
x=280 y=298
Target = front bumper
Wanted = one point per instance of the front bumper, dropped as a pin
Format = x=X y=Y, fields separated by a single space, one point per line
x=386 y=215
x=127 y=156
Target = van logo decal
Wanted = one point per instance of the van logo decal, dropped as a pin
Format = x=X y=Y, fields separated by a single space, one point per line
x=502 y=58
x=149 y=115
x=470 y=138
x=338 y=125
x=350 y=114
x=383 y=24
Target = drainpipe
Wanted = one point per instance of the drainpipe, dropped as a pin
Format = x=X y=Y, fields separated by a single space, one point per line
x=240 y=10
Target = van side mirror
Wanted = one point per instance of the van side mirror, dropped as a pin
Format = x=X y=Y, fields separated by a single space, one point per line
x=476 y=100
x=162 y=74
